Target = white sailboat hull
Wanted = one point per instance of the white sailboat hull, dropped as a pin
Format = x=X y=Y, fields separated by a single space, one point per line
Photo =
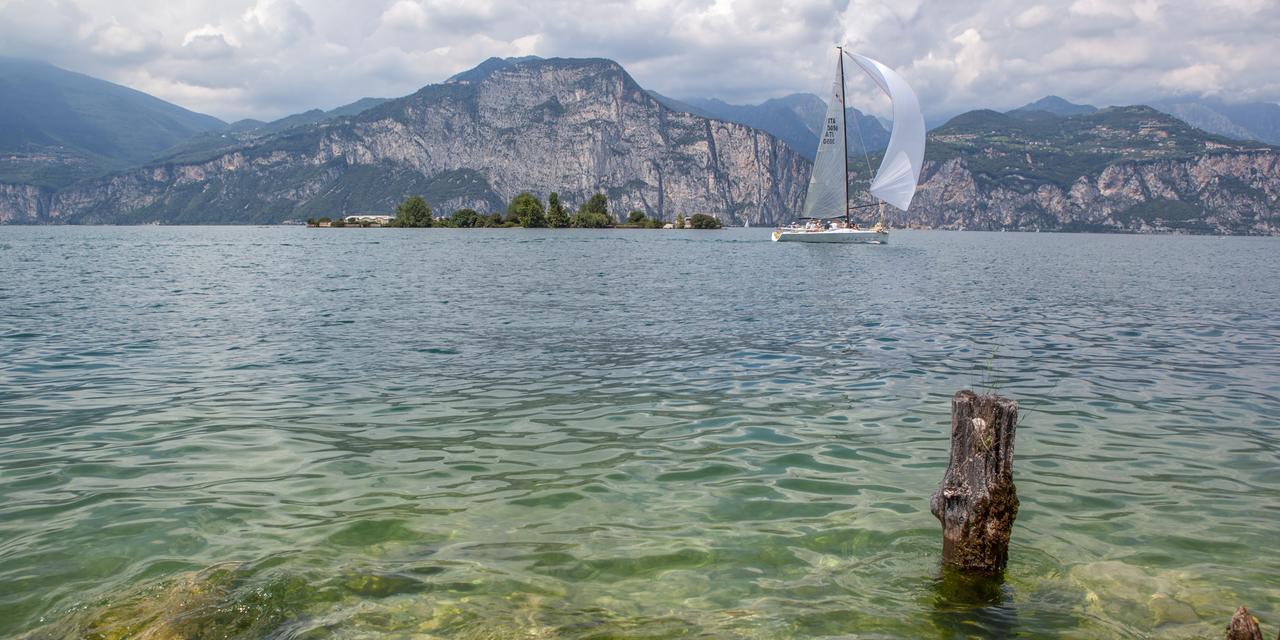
x=847 y=236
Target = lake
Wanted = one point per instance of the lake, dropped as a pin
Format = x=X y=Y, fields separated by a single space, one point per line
x=354 y=433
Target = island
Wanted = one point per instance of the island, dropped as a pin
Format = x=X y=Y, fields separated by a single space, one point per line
x=525 y=210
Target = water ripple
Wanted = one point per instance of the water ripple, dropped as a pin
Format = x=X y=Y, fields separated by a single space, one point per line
x=288 y=433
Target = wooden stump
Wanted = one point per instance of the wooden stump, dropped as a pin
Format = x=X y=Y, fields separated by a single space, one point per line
x=1243 y=626
x=976 y=501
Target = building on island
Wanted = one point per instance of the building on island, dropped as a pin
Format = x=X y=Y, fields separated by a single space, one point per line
x=368 y=218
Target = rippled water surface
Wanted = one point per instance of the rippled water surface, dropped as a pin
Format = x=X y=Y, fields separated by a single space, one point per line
x=325 y=433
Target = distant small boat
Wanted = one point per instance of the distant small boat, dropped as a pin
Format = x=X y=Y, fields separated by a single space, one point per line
x=825 y=216
x=747 y=224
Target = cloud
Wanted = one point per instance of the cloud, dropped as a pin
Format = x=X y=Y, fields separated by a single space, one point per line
x=1201 y=79
x=208 y=42
x=1036 y=16
x=405 y=14
x=269 y=58
x=285 y=19
x=48 y=29
x=113 y=40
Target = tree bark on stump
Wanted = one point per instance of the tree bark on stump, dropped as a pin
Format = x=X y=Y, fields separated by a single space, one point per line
x=976 y=501
x=1243 y=626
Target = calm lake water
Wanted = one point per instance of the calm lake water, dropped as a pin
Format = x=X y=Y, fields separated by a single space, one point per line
x=314 y=433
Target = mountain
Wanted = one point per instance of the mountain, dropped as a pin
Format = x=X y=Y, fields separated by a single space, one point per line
x=482 y=71
x=678 y=105
x=1120 y=169
x=57 y=126
x=1057 y=106
x=576 y=126
x=1242 y=121
x=795 y=119
x=243 y=132
x=307 y=117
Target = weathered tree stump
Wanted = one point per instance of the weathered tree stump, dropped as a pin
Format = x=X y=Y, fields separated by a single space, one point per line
x=1243 y=626
x=976 y=501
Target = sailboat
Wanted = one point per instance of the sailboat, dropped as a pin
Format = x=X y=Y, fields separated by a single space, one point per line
x=825 y=217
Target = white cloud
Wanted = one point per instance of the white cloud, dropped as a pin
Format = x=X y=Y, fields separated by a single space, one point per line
x=116 y=41
x=209 y=31
x=268 y=58
x=208 y=42
x=283 y=18
x=405 y=14
x=1199 y=79
x=1036 y=16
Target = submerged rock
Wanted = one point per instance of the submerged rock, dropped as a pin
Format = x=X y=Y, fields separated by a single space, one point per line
x=1177 y=602
x=169 y=612
x=1166 y=610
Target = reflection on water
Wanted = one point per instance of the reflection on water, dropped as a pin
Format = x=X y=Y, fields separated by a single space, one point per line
x=299 y=433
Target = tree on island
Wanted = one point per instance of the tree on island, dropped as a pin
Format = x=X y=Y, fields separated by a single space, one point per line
x=464 y=218
x=598 y=203
x=679 y=220
x=704 y=221
x=413 y=212
x=556 y=215
x=639 y=220
x=593 y=214
x=527 y=209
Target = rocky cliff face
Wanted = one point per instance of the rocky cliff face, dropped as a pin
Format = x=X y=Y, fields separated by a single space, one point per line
x=1122 y=169
x=23 y=203
x=572 y=126
x=582 y=126
x=1222 y=193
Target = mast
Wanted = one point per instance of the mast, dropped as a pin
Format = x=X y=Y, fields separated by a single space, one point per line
x=844 y=131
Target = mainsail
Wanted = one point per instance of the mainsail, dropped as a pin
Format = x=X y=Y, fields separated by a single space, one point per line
x=828 y=193
x=895 y=180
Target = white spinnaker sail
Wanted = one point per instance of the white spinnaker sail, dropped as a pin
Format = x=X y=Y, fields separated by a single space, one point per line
x=826 y=197
x=895 y=180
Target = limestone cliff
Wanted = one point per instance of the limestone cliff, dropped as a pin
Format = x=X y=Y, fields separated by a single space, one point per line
x=578 y=126
x=1127 y=169
x=572 y=126
x=1236 y=193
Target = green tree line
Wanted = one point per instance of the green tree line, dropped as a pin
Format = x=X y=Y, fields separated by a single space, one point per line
x=527 y=210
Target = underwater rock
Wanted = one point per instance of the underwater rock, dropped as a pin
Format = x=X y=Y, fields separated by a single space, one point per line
x=372 y=585
x=1166 y=610
x=166 y=613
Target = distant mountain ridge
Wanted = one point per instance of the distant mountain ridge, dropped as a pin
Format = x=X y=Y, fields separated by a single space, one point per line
x=576 y=126
x=241 y=132
x=1057 y=106
x=57 y=126
x=484 y=70
x=1119 y=169
x=311 y=116
x=795 y=119
x=1244 y=121
x=579 y=126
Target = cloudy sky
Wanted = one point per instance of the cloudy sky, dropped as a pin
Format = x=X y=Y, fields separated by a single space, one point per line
x=268 y=58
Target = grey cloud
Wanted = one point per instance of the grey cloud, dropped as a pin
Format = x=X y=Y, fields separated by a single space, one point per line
x=208 y=46
x=268 y=58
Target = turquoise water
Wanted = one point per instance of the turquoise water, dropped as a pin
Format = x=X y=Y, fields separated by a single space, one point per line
x=315 y=433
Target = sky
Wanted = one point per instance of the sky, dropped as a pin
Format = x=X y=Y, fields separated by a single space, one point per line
x=269 y=58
